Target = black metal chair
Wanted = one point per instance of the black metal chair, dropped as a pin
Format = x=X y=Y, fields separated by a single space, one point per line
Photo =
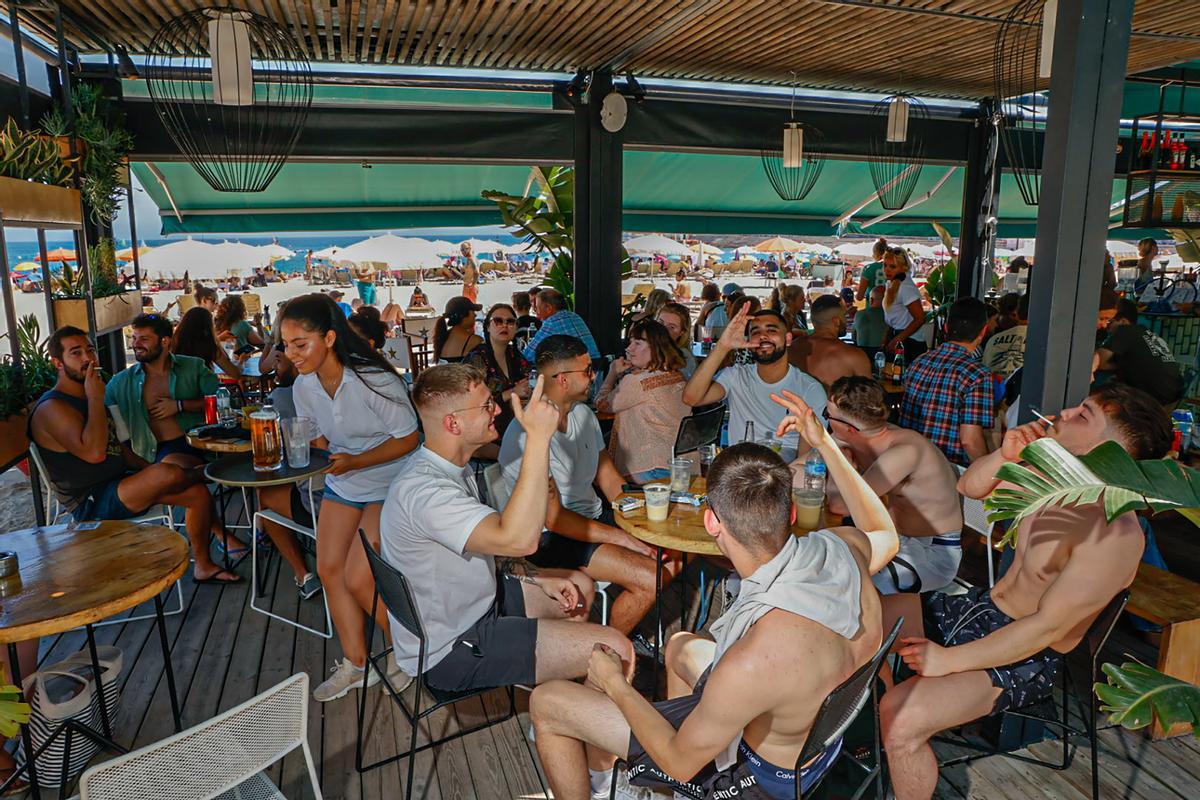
x=1086 y=656
x=701 y=428
x=398 y=599
x=840 y=708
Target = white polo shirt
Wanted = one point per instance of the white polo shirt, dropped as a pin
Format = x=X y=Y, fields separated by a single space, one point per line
x=356 y=419
x=574 y=458
x=897 y=314
x=432 y=507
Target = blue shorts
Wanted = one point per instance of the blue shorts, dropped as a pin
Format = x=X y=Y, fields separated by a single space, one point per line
x=103 y=502
x=333 y=496
x=178 y=445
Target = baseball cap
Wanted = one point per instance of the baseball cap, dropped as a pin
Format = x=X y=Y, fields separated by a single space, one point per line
x=459 y=307
x=336 y=295
x=730 y=288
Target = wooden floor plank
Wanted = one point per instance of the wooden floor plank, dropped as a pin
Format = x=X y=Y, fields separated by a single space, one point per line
x=482 y=752
x=310 y=655
x=279 y=653
x=517 y=756
x=1154 y=758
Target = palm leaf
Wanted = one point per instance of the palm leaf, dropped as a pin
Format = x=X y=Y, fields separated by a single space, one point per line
x=13 y=711
x=1136 y=695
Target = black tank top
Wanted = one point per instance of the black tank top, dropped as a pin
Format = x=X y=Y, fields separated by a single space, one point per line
x=71 y=477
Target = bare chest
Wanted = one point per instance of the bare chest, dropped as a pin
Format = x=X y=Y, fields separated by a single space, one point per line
x=156 y=387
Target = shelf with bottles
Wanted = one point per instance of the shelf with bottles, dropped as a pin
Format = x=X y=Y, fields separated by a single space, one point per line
x=1162 y=187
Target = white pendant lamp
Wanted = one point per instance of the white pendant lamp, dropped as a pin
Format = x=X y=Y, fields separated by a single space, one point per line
x=229 y=48
x=897 y=118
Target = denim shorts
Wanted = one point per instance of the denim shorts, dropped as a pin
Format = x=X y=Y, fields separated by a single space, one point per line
x=333 y=496
x=103 y=502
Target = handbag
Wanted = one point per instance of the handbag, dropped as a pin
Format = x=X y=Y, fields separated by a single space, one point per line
x=66 y=692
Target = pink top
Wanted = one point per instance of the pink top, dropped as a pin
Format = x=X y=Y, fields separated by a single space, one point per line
x=648 y=407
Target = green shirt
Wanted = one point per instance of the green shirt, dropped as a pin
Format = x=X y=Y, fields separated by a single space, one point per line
x=241 y=330
x=190 y=379
x=869 y=327
x=873 y=274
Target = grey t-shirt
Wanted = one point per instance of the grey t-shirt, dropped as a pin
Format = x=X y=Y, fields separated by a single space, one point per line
x=749 y=398
x=574 y=457
x=432 y=507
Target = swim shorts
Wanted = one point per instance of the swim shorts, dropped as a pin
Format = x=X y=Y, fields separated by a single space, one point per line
x=923 y=564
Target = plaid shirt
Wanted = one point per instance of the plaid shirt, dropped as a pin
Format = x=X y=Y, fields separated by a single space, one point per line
x=946 y=388
x=563 y=322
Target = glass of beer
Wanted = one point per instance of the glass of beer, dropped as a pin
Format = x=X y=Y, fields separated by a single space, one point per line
x=658 y=501
x=265 y=440
x=808 y=508
x=297 y=436
x=707 y=453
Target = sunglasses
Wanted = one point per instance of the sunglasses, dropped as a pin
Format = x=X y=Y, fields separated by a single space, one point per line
x=828 y=418
x=504 y=321
x=489 y=407
x=590 y=371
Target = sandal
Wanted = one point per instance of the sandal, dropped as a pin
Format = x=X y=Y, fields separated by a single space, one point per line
x=234 y=553
x=214 y=580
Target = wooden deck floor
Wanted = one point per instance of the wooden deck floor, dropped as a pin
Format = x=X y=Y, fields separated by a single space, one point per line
x=224 y=652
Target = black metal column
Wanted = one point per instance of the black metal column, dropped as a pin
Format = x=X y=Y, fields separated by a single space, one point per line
x=1091 y=45
x=598 y=195
x=981 y=193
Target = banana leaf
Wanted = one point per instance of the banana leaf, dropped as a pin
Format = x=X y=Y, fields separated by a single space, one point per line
x=13 y=711
x=1136 y=694
x=1053 y=476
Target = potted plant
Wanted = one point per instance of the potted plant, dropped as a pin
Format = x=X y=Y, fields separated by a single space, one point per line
x=34 y=179
x=1135 y=694
x=56 y=129
x=114 y=306
x=20 y=388
x=104 y=166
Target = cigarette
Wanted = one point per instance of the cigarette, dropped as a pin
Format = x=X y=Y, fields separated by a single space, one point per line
x=1049 y=422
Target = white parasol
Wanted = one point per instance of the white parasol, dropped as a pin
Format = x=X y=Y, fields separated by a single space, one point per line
x=656 y=244
x=396 y=251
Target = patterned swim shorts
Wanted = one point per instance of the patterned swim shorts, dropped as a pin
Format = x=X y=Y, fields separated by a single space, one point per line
x=958 y=619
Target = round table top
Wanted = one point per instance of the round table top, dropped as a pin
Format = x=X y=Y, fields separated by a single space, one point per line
x=238 y=470
x=232 y=444
x=683 y=528
x=76 y=577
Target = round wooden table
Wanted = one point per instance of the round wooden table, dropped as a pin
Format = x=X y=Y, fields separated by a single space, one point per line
x=225 y=445
x=76 y=576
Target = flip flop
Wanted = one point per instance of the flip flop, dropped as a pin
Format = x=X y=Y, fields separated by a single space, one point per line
x=234 y=553
x=213 y=580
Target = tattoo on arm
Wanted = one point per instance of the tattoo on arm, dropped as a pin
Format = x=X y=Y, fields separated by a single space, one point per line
x=517 y=567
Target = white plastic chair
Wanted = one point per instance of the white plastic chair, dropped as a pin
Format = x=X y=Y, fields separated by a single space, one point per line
x=975 y=517
x=222 y=758
x=291 y=524
x=497 y=490
x=54 y=511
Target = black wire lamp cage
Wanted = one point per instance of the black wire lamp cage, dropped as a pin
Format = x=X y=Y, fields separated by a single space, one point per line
x=233 y=90
x=794 y=166
x=896 y=148
x=1021 y=68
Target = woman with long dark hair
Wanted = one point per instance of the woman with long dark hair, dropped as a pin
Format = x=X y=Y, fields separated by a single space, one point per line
x=454 y=332
x=232 y=324
x=195 y=336
x=506 y=369
x=366 y=421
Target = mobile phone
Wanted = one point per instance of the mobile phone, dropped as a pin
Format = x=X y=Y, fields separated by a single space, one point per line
x=241 y=351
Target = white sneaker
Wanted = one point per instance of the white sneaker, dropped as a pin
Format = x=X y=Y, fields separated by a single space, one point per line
x=398 y=678
x=345 y=677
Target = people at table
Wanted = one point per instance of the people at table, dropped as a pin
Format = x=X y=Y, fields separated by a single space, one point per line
x=94 y=476
x=715 y=316
x=873 y=274
x=655 y=302
x=789 y=300
x=870 y=327
x=902 y=307
x=741 y=704
x=505 y=370
x=644 y=390
x=1139 y=357
x=454 y=332
x=948 y=393
x=916 y=478
x=1004 y=352
x=551 y=309
x=581 y=532
x=161 y=396
x=195 y=336
x=232 y=325
x=676 y=318
x=365 y=420
x=747 y=388
x=822 y=353
x=710 y=296
x=986 y=651
x=483 y=626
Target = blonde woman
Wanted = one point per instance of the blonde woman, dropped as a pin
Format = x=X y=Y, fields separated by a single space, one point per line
x=676 y=318
x=902 y=305
x=788 y=300
x=655 y=301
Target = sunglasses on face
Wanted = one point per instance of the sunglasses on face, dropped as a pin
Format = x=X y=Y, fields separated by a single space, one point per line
x=503 y=321
x=489 y=407
x=828 y=418
x=590 y=371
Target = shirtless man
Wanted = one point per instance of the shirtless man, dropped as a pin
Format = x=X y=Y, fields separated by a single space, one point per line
x=991 y=651
x=745 y=702
x=914 y=475
x=89 y=470
x=822 y=353
x=161 y=396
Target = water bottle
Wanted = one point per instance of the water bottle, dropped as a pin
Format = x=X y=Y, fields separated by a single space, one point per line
x=749 y=437
x=898 y=368
x=814 y=472
x=725 y=432
x=225 y=415
x=880 y=363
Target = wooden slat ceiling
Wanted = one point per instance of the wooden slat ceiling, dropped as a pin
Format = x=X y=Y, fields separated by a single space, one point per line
x=941 y=47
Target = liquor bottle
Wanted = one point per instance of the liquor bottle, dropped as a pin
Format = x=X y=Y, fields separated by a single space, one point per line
x=898 y=367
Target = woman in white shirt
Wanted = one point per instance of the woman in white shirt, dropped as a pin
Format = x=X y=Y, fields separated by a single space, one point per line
x=365 y=419
x=902 y=307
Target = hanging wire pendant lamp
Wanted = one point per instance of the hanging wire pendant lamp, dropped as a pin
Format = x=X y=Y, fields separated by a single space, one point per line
x=233 y=89
x=793 y=169
x=1021 y=67
x=896 y=148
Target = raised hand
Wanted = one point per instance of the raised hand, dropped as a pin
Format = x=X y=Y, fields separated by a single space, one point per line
x=93 y=384
x=1015 y=439
x=800 y=419
x=539 y=416
x=734 y=335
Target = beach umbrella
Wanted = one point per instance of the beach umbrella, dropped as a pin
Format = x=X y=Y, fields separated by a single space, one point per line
x=127 y=253
x=196 y=258
x=1121 y=249
x=482 y=247
x=276 y=251
x=59 y=254
x=815 y=249
x=1025 y=250
x=238 y=255
x=656 y=244
x=444 y=248
x=27 y=266
x=856 y=250
x=327 y=253
x=704 y=249
x=396 y=251
x=779 y=244
x=940 y=251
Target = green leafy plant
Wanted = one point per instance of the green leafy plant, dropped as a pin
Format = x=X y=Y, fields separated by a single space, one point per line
x=1136 y=694
x=26 y=156
x=37 y=374
x=100 y=124
x=54 y=123
x=71 y=283
x=14 y=712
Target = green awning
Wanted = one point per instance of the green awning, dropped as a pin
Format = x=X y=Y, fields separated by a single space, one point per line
x=667 y=192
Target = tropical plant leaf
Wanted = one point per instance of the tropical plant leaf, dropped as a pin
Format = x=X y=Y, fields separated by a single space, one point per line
x=1136 y=695
x=13 y=711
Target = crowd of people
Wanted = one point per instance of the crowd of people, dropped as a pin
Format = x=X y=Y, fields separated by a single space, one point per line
x=505 y=585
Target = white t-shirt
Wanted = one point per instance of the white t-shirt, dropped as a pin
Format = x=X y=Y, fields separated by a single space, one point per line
x=897 y=314
x=574 y=457
x=1005 y=351
x=749 y=398
x=432 y=507
x=356 y=419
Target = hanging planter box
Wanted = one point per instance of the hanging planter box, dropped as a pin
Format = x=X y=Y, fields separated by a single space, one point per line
x=36 y=204
x=13 y=440
x=112 y=312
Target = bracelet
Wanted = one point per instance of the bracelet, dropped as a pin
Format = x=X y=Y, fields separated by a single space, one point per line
x=179 y=406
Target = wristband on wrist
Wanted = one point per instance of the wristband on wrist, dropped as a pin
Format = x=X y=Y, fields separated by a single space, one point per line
x=179 y=406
